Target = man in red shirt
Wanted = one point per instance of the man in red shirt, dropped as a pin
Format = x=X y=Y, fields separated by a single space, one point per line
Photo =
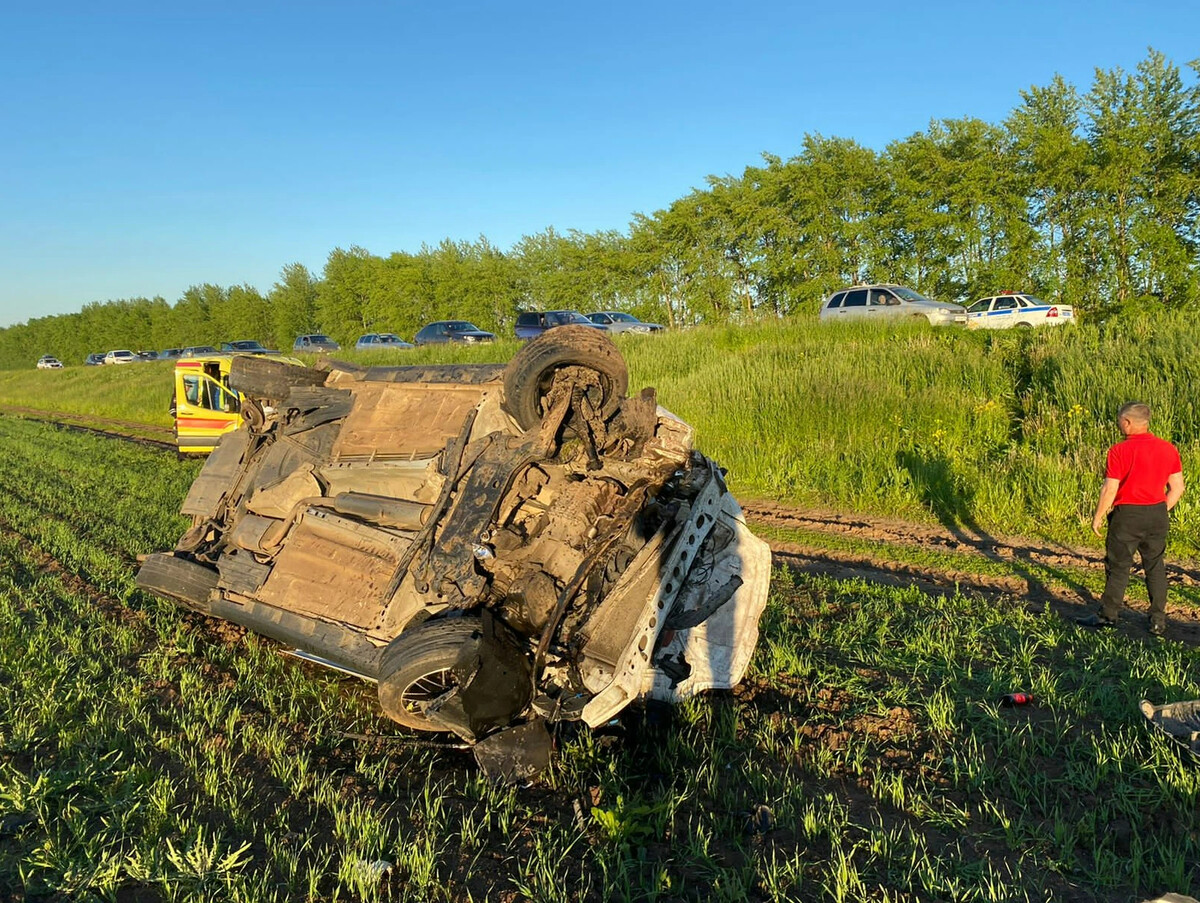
x=1143 y=480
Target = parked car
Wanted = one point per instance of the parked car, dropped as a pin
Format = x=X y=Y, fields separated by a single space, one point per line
x=315 y=341
x=120 y=357
x=452 y=331
x=246 y=346
x=886 y=301
x=619 y=321
x=94 y=360
x=534 y=545
x=170 y=353
x=1010 y=309
x=198 y=350
x=532 y=323
x=147 y=355
x=381 y=340
x=49 y=362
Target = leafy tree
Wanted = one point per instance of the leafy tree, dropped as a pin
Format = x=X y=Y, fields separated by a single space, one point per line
x=1050 y=158
x=1092 y=198
x=293 y=305
x=350 y=289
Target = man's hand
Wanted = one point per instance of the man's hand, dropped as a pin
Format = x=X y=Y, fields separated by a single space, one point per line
x=1108 y=493
x=1174 y=489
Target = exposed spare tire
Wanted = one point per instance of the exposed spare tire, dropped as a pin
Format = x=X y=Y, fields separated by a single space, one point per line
x=165 y=575
x=264 y=377
x=530 y=373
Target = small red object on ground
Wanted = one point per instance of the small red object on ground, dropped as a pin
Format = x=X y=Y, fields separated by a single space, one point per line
x=1011 y=699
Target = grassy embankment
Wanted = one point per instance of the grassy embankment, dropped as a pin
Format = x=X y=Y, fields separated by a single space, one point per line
x=146 y=755
x=1002 y=433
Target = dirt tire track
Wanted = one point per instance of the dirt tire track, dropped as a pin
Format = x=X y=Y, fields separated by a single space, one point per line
x=68 y=417
x=1184 y=623
x=900 y=532
x=87 y=423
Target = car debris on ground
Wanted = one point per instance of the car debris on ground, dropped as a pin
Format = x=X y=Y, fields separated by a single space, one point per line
x=1179 y=722
x=499 y=548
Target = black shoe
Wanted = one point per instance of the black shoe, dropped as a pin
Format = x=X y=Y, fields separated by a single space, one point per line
x=1096 y=621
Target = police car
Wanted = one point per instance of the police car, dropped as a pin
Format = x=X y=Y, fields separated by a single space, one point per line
x=1013 y=309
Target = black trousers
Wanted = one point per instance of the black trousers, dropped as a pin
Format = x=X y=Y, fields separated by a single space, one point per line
x=1141 y=529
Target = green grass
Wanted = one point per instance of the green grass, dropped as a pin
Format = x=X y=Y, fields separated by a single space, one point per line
x=999 y=432
x=134 y=392
x=1003 y=432
x=146 y=754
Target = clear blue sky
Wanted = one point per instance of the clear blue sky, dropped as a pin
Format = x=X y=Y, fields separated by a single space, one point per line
x=146 y=147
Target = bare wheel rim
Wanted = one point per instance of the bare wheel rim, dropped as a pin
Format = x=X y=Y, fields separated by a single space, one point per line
x=425 y=689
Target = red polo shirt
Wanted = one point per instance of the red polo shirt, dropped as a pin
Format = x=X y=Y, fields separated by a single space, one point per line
x=1142 y=463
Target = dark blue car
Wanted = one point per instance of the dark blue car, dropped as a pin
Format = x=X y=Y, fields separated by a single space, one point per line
x=533 y=323
x=452 y=331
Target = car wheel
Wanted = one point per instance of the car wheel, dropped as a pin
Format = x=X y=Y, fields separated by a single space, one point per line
x=1024 y=325
x=528 y=377
x=418 y=666
x=165 y=575
x=261 y=377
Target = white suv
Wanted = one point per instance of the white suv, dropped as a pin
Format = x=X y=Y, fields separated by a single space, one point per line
x=888 y=301
x=120 y=357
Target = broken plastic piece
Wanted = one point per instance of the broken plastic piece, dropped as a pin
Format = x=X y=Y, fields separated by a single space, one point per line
x=516 y=754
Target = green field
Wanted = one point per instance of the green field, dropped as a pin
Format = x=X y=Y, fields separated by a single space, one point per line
x=997 y=432
x=146 y=753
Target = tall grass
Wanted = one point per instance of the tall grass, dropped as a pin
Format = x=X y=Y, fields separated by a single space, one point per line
x=995 y=432
x=136 y=392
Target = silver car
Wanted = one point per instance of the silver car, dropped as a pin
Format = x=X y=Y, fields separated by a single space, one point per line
x=377 y=340
x=887 y=301
x=619 y=321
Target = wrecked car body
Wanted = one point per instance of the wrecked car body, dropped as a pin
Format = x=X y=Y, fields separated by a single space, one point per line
x=494 y=545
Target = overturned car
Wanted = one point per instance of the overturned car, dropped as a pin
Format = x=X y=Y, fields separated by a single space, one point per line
x=496 y=546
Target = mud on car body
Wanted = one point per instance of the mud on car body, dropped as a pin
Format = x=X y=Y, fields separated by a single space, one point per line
x=496 y=546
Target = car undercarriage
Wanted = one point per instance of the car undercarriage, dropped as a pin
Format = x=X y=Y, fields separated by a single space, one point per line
x=498 y=547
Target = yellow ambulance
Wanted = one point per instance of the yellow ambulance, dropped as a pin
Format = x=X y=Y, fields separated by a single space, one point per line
x=203 y=404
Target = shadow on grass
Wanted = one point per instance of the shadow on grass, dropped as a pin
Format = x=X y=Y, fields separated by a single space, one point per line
x=934 y=480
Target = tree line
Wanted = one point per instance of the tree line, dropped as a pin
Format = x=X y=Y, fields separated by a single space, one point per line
x=1089 y=198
